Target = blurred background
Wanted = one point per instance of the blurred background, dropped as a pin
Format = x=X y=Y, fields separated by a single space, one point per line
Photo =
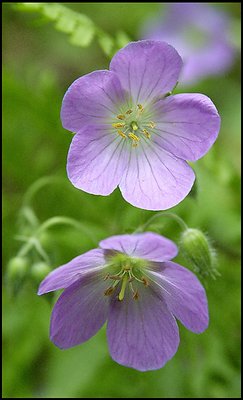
x=39 y=64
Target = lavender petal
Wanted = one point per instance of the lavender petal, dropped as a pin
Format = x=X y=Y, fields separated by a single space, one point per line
x=187 y=125
x=80 y=311
x=148 y=245
x=184 y=295
x=147 y=69
x=64 y=276
x=142 y=333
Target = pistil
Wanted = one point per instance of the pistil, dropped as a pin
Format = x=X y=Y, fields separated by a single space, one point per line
x=133 y=126
x=130 y=272
x=123 y=288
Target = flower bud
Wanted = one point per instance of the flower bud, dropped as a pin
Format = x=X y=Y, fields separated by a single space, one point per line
x=17 y=268
x=198 y=251
x=39 y=271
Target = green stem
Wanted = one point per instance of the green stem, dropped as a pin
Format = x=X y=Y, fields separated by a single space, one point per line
x=33 y=241
x=29 y=216
x=37 y=185
x=26 y=248
x=41 y=251
x=66 y=221
x=163 y=214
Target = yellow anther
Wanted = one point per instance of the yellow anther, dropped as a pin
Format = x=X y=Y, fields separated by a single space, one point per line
x=145 y=281
x=134 y=137
x=147 y=134
x=120 y=116
x=140 y=107
x=136 y=295
x=151 y=124
x=118 y=125
x=122 y=134
x=128 y=112
x=109 y=291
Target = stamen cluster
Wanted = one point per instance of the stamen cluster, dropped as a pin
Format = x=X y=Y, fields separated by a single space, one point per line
x=130 y=270
x=134 y=124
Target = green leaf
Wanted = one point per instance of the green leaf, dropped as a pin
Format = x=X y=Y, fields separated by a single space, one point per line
x=80 y=28
x=28 y=6
x=82 y=36
x=122 y=39
x=51 y=11
x=83 y=33
x=106 y=43
x=66 y=22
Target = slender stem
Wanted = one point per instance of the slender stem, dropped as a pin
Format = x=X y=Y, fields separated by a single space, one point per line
x=26 y=248
x=66 y=221
x=33 y=242
x=41 y=251
x=163 y=214
x=30 y=216
x=47 y=224
x=37 y=185
x=22 y=238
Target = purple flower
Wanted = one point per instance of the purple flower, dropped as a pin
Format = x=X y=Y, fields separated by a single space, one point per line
x=130 y=282
x=129 y=133
x=200 y=33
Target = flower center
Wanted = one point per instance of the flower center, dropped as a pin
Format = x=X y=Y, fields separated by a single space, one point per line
x=130 y=273
x=134 y=124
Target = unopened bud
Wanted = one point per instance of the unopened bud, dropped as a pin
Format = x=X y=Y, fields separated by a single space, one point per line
x=198 y=251
x=17 y=268
x=39 y=271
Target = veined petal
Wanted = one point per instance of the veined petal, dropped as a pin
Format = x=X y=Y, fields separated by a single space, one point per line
x=67 y=274
x=91 y=100
x=187 y=125
x=184 y=295
x=80 y=311
x=142 y=333
x=97 y=159
x=147 y=69
x=155 y=179
x=149 y=246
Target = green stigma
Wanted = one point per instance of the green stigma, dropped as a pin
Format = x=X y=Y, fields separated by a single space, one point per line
x=123 y=288
x=134 y=125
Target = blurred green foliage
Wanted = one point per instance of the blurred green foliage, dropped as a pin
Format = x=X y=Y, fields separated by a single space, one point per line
x=39 y=65
x=81 y=29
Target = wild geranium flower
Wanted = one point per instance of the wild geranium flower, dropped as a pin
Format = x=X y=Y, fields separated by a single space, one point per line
x=200 y=33
x=130 y=282
x=128 y=133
